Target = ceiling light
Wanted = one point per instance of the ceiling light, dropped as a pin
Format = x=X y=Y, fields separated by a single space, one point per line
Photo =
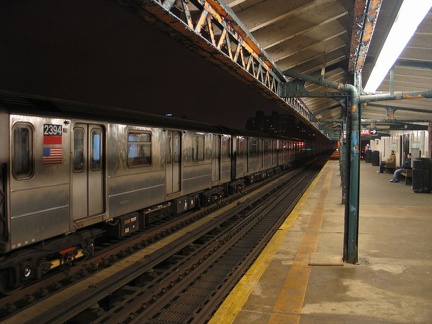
x=410 y=15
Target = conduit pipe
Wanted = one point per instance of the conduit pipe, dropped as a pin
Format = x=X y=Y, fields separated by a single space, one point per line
x=396 y=96
x=350 y=253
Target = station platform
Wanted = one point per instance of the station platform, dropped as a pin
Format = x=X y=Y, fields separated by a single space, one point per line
x=300 y=276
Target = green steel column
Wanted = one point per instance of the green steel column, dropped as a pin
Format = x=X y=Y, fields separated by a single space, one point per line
x=343 y=165
x=344 y=155
x=352 y=205
x=353 y=162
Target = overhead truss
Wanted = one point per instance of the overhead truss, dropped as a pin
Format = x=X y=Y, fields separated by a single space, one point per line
x=213 y=30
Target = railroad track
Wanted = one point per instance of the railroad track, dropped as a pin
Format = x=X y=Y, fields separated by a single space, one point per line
x=182 y=277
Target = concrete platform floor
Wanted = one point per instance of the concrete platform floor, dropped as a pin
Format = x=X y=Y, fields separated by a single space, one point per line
x=300 y=277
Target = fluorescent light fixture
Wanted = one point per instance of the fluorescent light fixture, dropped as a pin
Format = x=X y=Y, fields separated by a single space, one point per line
x=410 y=15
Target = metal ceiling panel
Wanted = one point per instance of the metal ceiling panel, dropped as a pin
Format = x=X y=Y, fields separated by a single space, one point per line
x=334 y=38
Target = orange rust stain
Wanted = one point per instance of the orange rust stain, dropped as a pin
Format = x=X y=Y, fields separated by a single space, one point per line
x=407 y=96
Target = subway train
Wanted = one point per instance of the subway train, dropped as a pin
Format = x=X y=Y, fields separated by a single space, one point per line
x=72 y=172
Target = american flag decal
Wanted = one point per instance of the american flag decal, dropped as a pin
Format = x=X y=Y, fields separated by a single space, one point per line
x=52 y=155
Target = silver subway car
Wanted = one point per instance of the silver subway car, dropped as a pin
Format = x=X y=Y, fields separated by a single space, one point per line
x=72 y=172
x=67 y=174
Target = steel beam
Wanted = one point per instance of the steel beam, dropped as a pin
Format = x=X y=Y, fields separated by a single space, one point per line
x=296 y=88
x=412 y=63
x=377 y=121
x=212 y=30
x=365 y=18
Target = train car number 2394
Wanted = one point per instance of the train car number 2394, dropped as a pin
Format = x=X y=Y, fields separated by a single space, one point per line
x=52 y=130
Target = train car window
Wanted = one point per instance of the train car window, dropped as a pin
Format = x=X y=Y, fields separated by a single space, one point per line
x=22 y=164
x=139 y=149
x=198 y=148
x=78 y=162
x=96 y=158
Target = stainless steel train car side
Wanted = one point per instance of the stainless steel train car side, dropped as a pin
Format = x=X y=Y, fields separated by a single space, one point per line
x=221 y=159
x=71 y=172
x=4 y=184
x=255 y=155
x=197 y=164
x=286 y=153
x=136 y=168
x=39 y=191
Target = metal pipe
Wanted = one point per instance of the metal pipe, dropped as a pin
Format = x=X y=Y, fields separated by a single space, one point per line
x=396 y=96
x=353 y=151
x=392 y=81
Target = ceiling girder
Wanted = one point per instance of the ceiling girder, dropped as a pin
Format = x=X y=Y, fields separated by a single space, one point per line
x=413 y=63
x=297 y=88
x=365 y=18
x=397 y=125
x=426 y=111
x=217 y=34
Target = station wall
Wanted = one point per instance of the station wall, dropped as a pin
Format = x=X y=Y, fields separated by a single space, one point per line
x=416 y=142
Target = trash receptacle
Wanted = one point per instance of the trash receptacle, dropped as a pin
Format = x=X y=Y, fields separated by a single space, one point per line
x=422 y=175
x=368 y=156
x=375 y=158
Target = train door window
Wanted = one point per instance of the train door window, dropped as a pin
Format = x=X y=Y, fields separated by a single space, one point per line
x=253 y=147
x=139 y=149
x=96 y=158
x=286 y=151
x=168 y=148
x=239 y=151
x=274 y=151
x=198 y=148
x=176 y=147
x=225 y=146
x=78 y=163
x=267 y=147
x=261 y=152
x=22 y=151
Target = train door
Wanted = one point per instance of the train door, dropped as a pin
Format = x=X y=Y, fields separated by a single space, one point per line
x=275 y=152
x=87 y=171
x=216 y=144
x=173 y=162
x=234 y=150
x=261 y=153
x=240 y=157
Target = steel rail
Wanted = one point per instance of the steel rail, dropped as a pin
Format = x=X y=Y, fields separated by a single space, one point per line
x=181 y=288
x=86 y=293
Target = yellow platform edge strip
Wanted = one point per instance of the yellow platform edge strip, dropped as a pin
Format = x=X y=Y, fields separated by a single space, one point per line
x=238 y=297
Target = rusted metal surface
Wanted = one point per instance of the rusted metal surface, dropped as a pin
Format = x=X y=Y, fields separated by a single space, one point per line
x=365 y=18
x=216 y=33
x=303 y=37
x=257 y=40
